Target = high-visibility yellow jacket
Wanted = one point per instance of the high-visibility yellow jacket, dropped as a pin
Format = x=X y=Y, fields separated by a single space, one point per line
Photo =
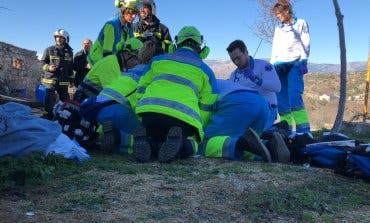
x=110 y=35
x=102 y=74
x=179 y=85
x=123 y=89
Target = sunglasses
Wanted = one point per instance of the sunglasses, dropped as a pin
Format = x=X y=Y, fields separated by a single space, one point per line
x=130 y=12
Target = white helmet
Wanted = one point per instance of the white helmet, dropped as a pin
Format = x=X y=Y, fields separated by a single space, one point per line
x=151 y=3
x=128 y=4
x=62 y=33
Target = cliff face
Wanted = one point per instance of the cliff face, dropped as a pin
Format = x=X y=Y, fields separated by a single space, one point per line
x=20 y=71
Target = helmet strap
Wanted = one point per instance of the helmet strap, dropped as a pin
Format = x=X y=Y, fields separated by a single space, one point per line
x=204 y=52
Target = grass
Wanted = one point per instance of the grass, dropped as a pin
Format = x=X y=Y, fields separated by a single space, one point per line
x=360 y=137
x=319 y=201
x=111 y=188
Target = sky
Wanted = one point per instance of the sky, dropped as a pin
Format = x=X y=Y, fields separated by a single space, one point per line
x=31 y=24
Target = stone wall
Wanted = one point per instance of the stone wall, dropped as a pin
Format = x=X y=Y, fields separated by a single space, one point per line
x=20 y=71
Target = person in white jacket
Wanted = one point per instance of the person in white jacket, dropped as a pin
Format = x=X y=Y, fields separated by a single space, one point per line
x=256 y=74
x=290 y=51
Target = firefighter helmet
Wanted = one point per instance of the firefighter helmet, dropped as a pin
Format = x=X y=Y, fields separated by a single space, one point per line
x=151 y=3
x=62 y=33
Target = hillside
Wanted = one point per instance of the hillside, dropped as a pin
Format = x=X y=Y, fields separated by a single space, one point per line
x=324 y=81
x=223 y=68
x=322 y=113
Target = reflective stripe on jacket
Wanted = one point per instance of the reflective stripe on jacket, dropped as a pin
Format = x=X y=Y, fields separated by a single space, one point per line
x=62 y=58
x=155 y=31
x=123 y=89
x=179 y=85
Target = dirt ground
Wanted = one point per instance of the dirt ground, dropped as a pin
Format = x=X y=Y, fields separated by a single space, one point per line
x=193 y=190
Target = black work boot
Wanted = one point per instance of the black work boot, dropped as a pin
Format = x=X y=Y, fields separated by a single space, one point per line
x=251 y=142
x=141 y=148
x=278 y=149
x=171 y=147
x=110 y=139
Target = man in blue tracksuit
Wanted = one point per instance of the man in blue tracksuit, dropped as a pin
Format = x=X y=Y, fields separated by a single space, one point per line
x=238 y=110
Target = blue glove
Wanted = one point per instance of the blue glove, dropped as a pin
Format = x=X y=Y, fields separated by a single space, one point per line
x=249 y=73
x=302 y=66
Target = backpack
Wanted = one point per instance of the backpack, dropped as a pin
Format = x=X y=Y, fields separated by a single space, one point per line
x=69 y=116
x=346 y=157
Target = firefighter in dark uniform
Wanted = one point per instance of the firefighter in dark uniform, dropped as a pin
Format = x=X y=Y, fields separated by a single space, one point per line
x=57 y=70
x=150 y=28
x=80 y=64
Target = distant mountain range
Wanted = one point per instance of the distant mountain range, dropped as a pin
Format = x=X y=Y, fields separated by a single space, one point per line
x=335 y=68
x=223 y=68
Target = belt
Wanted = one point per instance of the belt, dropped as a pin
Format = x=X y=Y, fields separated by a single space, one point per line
x=273 y=106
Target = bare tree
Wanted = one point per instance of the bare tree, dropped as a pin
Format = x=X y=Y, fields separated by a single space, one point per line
x=265 y=25
x=343 y=69
x=4 y=8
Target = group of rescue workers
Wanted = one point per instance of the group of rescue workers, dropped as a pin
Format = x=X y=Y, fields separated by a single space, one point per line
x=161 y=99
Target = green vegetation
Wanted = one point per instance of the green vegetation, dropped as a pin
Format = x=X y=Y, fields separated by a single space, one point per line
x=112 y=188
x=29 y=170
x=319 y=201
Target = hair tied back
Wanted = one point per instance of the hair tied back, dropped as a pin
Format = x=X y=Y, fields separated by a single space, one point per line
x=284 y=2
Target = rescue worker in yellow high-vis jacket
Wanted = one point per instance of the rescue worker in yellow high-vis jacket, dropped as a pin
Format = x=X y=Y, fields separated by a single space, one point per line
x=108 y=69
x=176 y=98
x=114 y=107
x=116 y=30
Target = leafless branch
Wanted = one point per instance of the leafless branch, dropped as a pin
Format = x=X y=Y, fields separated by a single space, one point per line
x=265 y=25
x=1 y=7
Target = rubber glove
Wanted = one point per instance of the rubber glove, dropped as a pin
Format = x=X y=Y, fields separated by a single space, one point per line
x=302 y=66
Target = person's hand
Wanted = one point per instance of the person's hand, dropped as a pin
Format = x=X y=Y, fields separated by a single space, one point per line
x=88 y=66
x=302 y=66
x=248 y=73
x=52 y=68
